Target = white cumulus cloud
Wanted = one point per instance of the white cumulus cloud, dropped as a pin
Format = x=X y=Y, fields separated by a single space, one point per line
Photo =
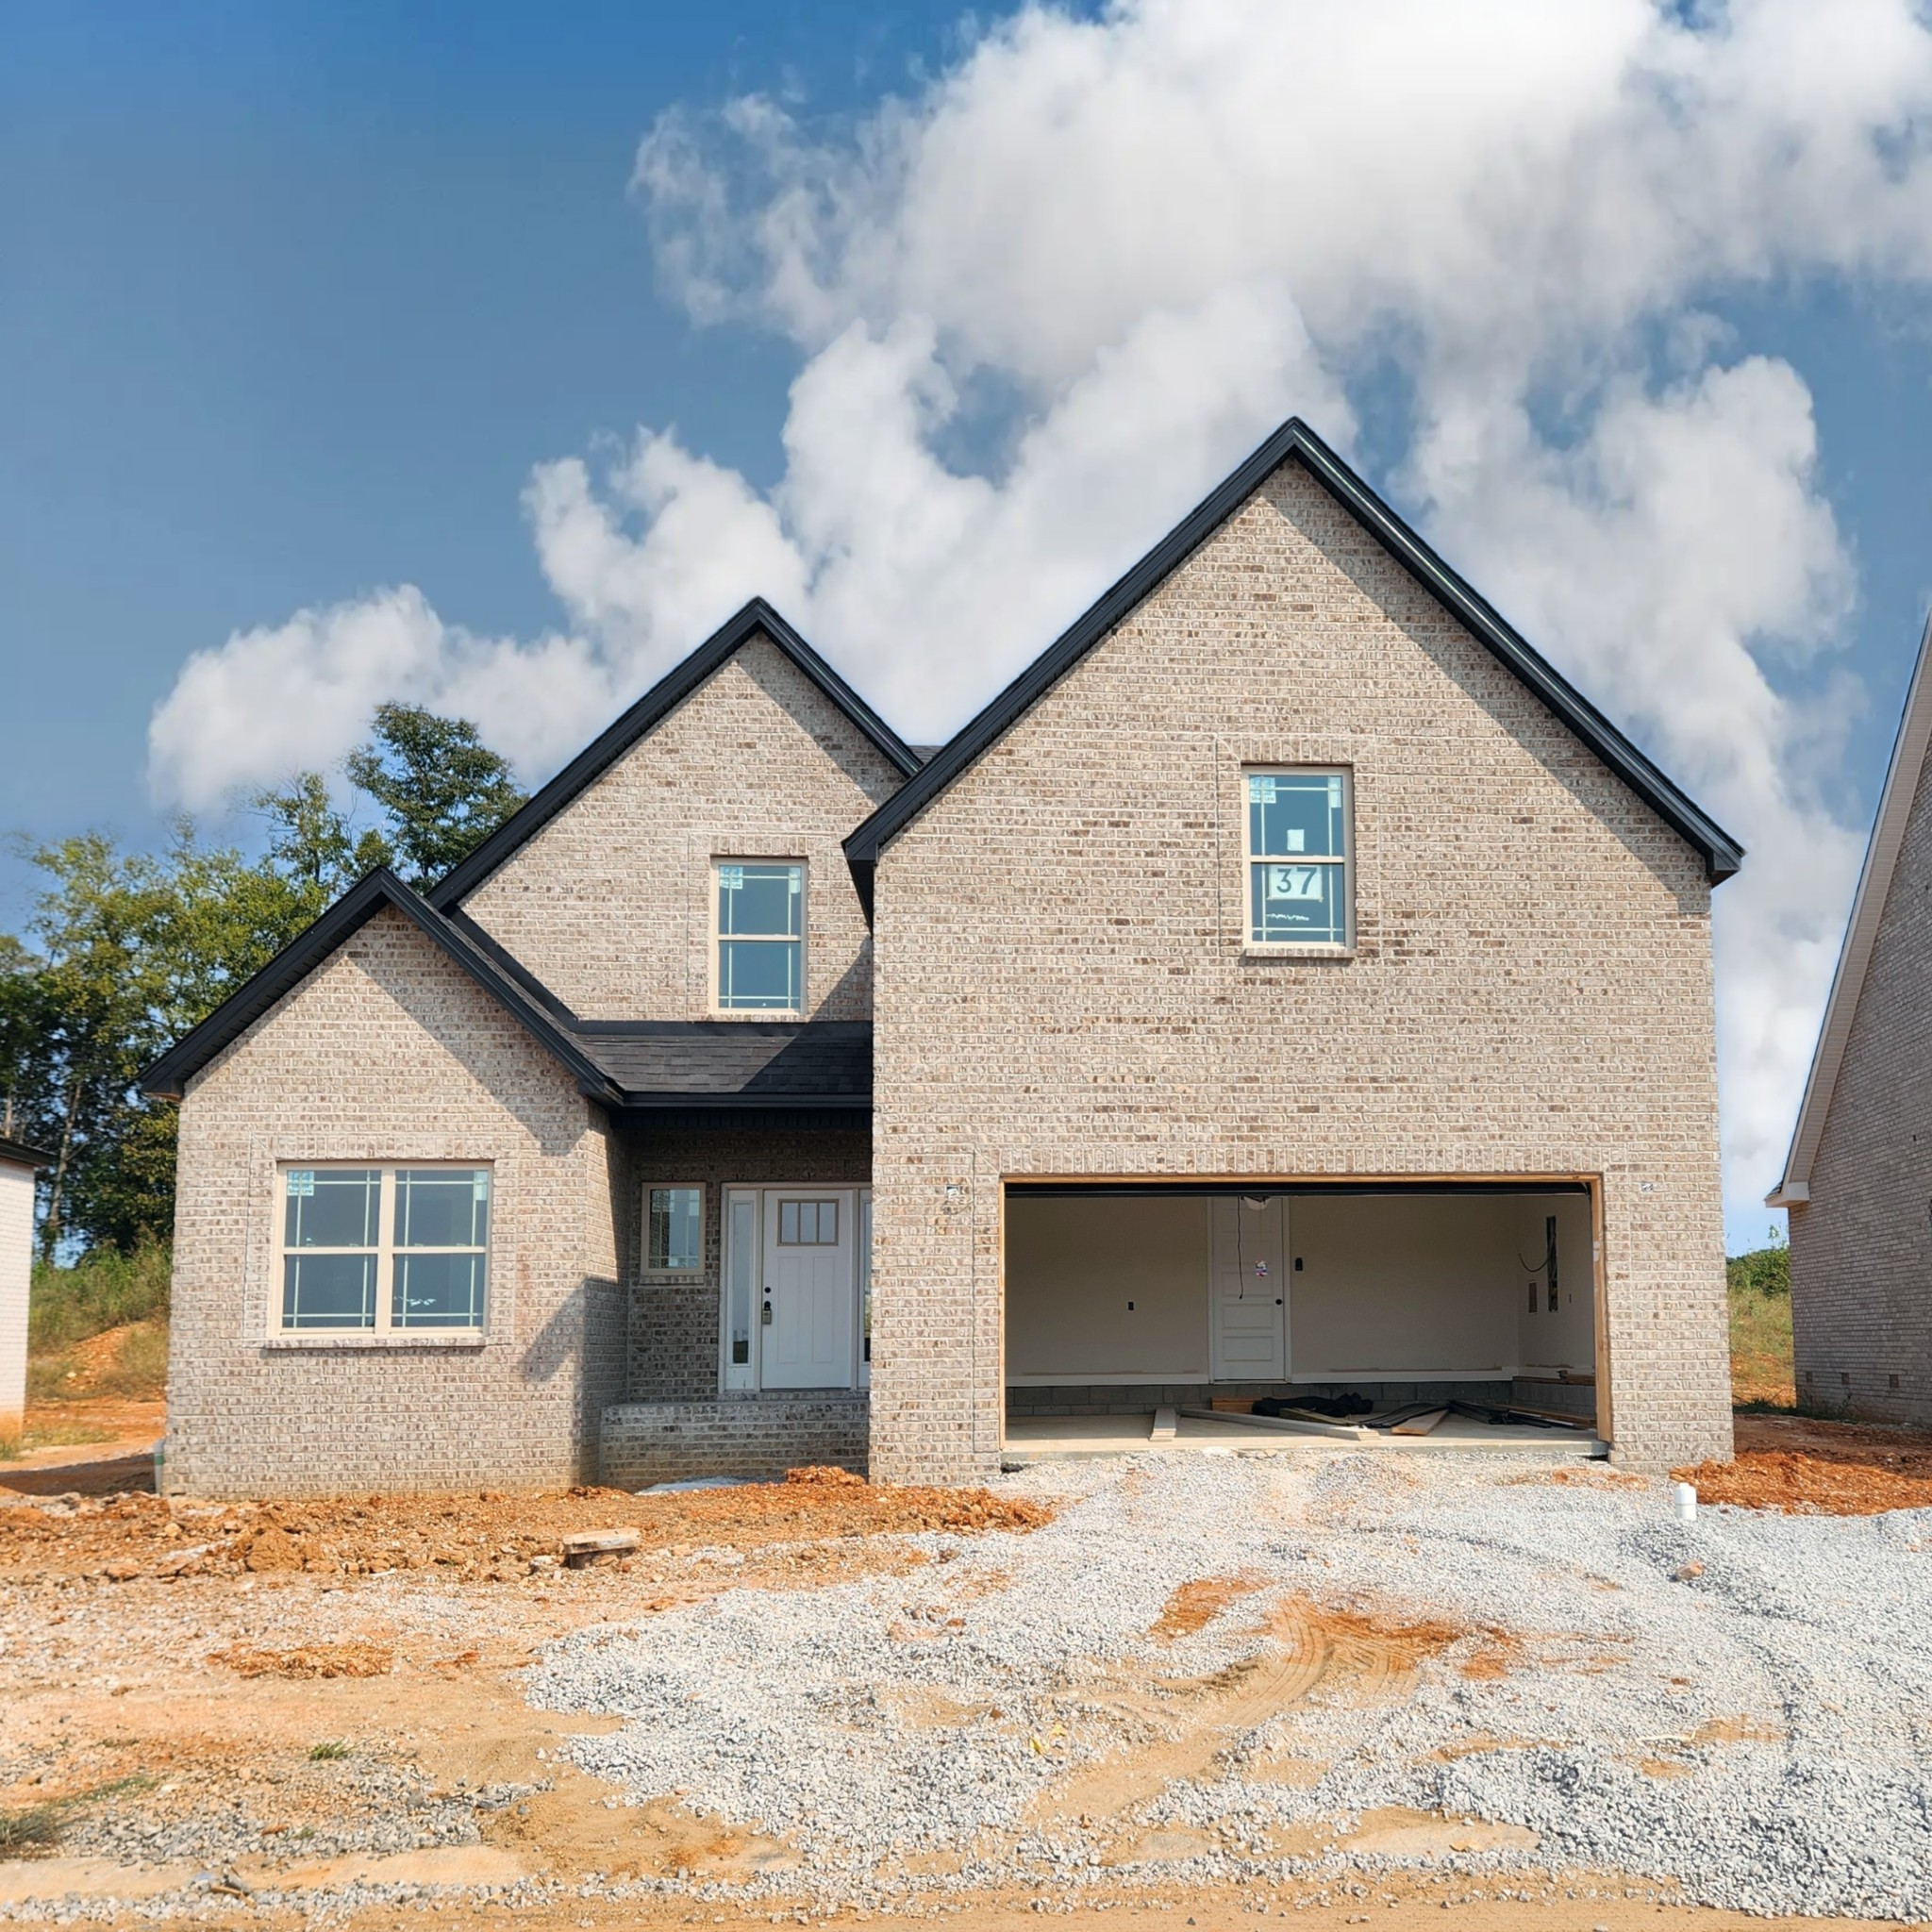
x=1043 y=303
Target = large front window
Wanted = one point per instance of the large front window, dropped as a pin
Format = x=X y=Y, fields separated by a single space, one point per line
x=1297 y=848
x=384 y=1249
x=760 y=937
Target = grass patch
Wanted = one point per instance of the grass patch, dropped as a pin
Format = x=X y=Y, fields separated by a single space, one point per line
x=1762 y=1379
x=328 y=1751
x=130 y=1363
x=104 y=1289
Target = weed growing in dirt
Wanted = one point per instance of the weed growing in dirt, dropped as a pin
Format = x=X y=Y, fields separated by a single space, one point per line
x=30 y=1833
x=327 y=1751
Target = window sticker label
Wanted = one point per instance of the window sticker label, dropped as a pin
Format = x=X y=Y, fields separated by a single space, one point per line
x=1295 y=882
x=301 y=1184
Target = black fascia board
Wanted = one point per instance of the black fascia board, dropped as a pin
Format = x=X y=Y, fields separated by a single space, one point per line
x=650 y=1101
x=649 y=712
x=1294 y=439
x=169 y=1075
x=18 y=1154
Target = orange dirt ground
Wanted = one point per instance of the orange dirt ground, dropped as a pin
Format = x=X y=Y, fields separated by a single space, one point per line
x=486 y=1536
x=1835 y=1469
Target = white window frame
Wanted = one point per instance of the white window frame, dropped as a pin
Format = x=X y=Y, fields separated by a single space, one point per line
x=717 y=938
x=385 y=1252
x=1343 y=862
x=697 y=1268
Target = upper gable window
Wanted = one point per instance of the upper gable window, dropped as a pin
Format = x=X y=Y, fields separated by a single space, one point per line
x=1300 y=892
x=760 y=936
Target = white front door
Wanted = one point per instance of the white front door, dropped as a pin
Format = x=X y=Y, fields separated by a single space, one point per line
x=1249 y=1296
x=810 y=1288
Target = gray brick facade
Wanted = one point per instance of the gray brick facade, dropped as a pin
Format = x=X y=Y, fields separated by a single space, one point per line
x=732 y=1435
x=1062 y=987
x=609 y=904
x=1059 y=984
x=389 y=1054
x=1861 y=1246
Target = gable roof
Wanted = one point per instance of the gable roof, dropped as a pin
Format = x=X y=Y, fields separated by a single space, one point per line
x=1861 y=931
x=18 y=1154
x=1294 y=439
x=169 y=1075
x=756 y=619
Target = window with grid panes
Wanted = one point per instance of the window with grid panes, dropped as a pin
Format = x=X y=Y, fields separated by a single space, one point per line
x=1299 y=887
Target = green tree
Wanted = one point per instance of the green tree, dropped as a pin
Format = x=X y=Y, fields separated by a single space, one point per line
x=311 y=842
x=442 y=789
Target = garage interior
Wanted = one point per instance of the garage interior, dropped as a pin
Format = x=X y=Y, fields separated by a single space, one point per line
x=1400 y=1315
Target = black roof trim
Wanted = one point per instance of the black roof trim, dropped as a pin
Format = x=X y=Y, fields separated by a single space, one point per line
x=1294 y=439
x=676 y=1114
x=18 y=1154
x=678 y=1102
x=657 y=704
x=170 y=1074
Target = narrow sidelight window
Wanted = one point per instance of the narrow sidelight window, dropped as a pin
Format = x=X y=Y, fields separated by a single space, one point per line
x=1299 y=890
x=382 y=1249
x=760 y=937
x=675 y=1231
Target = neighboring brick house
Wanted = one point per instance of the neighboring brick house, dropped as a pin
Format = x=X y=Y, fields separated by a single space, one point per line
x=1858 y=1181
x=1289 y=984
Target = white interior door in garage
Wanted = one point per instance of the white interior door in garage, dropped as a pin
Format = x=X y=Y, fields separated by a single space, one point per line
x=810 y=1288
x=1248 y=1305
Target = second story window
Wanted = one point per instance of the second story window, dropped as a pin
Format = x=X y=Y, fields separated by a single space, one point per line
x=1297 y=840
x=760 y=936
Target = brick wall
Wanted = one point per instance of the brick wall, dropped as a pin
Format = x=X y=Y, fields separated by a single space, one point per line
x=1861 y=1248
x=673 y=1319
x=1062 y=986
x=733 y=1435
x=388 y=1053
x=610 y=905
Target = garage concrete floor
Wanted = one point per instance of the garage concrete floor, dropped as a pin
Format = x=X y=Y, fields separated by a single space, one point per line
x=1034 y=1438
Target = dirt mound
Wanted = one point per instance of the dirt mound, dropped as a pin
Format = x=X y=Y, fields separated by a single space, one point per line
x=1847 y=1483
x=308 y=1660
x=486 y=1536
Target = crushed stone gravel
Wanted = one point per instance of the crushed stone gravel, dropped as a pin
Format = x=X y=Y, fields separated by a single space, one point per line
x=1741 y=1707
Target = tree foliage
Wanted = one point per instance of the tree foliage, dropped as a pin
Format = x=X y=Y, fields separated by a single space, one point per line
x=442 y=789
x=126 y=952
x=1763 y=1272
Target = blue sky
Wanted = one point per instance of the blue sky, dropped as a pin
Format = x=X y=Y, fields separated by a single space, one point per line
x=508 y=315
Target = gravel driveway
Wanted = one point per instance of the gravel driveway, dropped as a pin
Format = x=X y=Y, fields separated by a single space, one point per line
x=1743 y=1706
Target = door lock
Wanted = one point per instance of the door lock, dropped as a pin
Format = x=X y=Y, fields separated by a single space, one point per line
x=767 y=1322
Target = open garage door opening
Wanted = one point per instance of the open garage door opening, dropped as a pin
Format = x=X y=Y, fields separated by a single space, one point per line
x=1248 y=1315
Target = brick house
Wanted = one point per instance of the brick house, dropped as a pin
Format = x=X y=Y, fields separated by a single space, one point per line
x=1289 y=985
x=1858 y=1180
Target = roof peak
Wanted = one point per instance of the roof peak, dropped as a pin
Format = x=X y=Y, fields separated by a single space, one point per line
x=1292 y=441
x=756 y=618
